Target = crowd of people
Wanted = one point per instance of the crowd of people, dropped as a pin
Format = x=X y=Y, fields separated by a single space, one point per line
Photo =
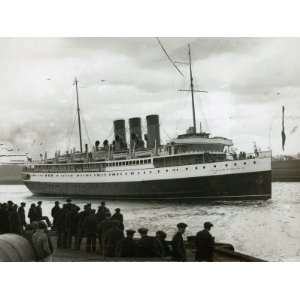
x=101 y=229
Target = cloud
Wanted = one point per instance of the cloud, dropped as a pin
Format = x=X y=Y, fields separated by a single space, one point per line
x=248 y=80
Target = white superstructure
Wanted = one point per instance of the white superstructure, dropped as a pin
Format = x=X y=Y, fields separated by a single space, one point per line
x=12 y=156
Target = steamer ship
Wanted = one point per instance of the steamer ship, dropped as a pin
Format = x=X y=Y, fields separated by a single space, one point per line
x=192 y=166
x=12 y=162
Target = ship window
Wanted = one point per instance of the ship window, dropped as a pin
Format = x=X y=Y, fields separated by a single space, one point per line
x=144 y=172
x=158 y=171
x=145 y=161
x=196 y=168
x=130 y=163
x=150 y=172
x=167 y=170
x=126 y=163
x=215 y=166
x=203 y=167
x=245 y=163
x=132 y=173
x=226 y=165
x=235 y=164
x=254 y=162
x=149 y=161
x=186 y=168
x=137 y=162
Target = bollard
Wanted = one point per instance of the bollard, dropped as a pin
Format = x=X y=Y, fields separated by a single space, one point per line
x=14 y=247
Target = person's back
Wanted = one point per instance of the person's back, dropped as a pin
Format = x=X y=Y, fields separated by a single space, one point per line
x=40 y=241
x=127 y=248
x=39 y=212
x=14 y=222
x=32 y=213
x=147 y=246
x=178 y=248
x=204 y=244
x=111 y=239
x=21 y=213
x=4 y=220
x=54 y=213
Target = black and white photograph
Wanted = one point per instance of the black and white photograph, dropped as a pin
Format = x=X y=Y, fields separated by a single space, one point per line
x=150 y=149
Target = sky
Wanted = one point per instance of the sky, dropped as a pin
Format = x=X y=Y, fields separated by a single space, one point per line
x=247 y=80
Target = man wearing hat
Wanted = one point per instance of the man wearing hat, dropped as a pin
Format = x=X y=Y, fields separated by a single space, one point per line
x=21 y=213
x=39 y=213
x=54 y=212
x=119 y=217
x=178 y=248
x=204 y=244
x=127 y=247
x=103 y=212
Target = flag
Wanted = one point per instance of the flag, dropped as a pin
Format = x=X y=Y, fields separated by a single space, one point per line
x=283 y=137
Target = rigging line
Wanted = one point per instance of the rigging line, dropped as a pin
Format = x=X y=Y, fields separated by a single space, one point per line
x=165 y=132
x=169 y=58
x=86 y=131
x=70 y=132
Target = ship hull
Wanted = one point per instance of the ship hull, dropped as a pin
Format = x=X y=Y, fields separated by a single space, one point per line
x=10 y=174
x=254 y=185
x=286 y=170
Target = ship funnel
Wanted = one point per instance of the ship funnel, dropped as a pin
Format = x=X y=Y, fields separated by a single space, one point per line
x=119 y=130
x=135 y=130
x=153 y=133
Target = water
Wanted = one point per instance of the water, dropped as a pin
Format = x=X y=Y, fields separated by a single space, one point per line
x=266 y=229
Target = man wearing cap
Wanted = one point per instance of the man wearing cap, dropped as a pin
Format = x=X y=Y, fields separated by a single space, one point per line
x=178 y=248
x=204 y=244
x=161 y=238
x=127 y=247
x=148 y=246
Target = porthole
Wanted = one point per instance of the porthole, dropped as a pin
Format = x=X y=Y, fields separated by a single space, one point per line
x=186 y=169
x=203 y=167
x=158 y=171
x=215 y=166
x=254 y=162
x=196 y=168
x=235 y=164
x=226 y=165
x=167 y=170
x=245 y=163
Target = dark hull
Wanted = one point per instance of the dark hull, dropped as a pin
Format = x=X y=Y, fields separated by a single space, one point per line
x=232 y=186
x=286 y=170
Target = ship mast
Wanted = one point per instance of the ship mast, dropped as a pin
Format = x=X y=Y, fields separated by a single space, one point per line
x=192 y=90
x=78 y=113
